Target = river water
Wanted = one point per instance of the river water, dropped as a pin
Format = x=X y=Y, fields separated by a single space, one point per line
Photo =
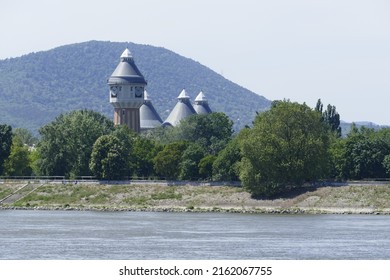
x=93 y=235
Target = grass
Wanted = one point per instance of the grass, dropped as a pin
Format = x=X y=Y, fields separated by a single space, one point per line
x=198 y=197
x=6 y=189
x=62 y=195
x=170 y=193
x=356 y=196
x=137 y=201
x=5 y=192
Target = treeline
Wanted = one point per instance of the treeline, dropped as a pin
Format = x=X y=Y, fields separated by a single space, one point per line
x=286 y=146
x=86 y=143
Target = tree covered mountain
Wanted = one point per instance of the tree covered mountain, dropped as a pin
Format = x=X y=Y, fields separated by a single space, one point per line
x=37 y=87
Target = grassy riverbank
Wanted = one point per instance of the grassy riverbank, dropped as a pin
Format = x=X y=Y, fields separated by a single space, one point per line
x=346 y=199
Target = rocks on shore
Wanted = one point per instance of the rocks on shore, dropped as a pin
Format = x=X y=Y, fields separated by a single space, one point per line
x=269 y=210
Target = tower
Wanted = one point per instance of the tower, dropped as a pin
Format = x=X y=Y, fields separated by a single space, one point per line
x=182 y=110
x=127 y=92
x=201 y=104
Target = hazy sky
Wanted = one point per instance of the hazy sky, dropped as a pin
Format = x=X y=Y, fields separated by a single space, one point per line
x=336 y=50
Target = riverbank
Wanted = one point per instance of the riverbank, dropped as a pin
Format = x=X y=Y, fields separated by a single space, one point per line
x=370 y=199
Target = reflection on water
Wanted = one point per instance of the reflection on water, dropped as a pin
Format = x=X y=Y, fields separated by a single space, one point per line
x=143 y=235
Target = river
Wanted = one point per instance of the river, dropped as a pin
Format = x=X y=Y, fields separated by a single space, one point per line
x=62 y=235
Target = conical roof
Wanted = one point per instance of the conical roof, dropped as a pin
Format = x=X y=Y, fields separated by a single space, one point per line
x=182 y=110
x=200 y=97
x=126 y=54
x=149 y=117
x=126 y=71
x=201 y=104
x=183 y=95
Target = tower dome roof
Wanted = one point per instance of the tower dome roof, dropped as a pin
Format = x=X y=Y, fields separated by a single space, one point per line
x=201 y=97
x=126 y=54
x=126 y=72
x=182 y=110
x=201 y=104
x=149 y=117
x=183 y=95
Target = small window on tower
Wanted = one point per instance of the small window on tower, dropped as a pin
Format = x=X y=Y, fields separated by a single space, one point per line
x=123 y=112
x=138 y=92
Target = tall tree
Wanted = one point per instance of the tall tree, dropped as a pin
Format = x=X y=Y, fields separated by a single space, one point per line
x=66 y=143
x=5 y=144
x=330 y=117
x=287 y=146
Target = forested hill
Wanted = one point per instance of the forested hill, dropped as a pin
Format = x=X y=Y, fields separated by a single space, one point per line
x=37 y=87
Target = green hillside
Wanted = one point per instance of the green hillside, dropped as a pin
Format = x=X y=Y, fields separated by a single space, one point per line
x=37 y=87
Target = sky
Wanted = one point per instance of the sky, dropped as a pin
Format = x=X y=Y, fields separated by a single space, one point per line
x=302 y=50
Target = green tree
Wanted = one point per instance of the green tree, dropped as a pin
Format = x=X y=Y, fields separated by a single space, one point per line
x=206 y=167
x=66 y=143
x=109 y=158
x=338 y=163
x=35 y=159
x=287 y=146
x=189 y=164
x=127 y=137
x=5 y=144
x=144 y=151
x=226 y=165
x=167 y=162
x=364 y=153
x=25 y=136
x=386 y=164
x=18 y=162
x=162 y=135
x=330 y=117
x=210 y=131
